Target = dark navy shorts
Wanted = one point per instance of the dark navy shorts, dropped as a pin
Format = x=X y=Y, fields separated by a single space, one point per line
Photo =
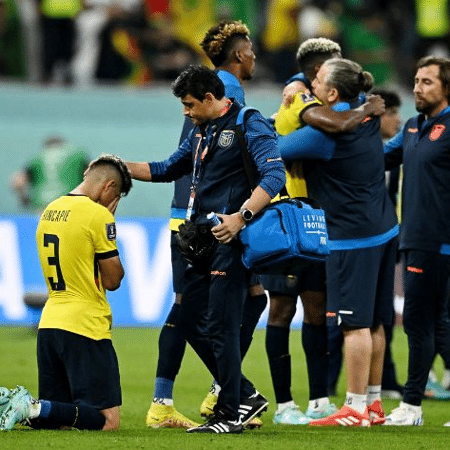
x=308 y=278
x=76 y=369
x=360 y=286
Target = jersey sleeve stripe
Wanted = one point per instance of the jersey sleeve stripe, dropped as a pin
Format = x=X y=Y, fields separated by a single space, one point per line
x=107 y=255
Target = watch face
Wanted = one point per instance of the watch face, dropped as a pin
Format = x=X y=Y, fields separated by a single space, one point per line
x=247 y=214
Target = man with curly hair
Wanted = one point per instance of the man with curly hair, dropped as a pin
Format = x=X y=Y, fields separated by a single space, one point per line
x=229 y=48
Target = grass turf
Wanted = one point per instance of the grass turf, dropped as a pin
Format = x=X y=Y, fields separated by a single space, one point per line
x=137 y=352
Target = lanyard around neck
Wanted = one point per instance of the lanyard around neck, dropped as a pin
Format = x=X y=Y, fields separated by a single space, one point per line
x=199 y=157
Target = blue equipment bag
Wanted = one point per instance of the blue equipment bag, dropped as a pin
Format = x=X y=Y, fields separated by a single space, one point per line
x=286 y=234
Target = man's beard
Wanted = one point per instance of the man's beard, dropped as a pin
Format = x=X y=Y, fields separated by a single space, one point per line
x=425 y=107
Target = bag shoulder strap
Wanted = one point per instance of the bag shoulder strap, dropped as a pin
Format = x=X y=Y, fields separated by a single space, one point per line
x=249 y=165
x=240 y=120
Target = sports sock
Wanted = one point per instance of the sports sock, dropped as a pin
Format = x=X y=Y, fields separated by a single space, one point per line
x=282 y=406
x=446 y=379
x=171 y=346
x=39 y=408
x=314 y=340
x=373 y=393
x=277 y=347
x=335 y=357
x=163 y=393
x=358 y=402
x=253 y=308
x=55 y=415
x=318 y=403
x=415 y=408
x=215 y=388
x=432 y=376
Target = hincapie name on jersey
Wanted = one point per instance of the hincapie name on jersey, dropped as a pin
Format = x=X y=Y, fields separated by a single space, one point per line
x=56 y=215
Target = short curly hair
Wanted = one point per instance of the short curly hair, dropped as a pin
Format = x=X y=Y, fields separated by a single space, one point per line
x=316 y=51
x=220 y=40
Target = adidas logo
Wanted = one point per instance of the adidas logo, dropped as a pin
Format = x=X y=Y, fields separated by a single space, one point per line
x=244 y=409
x=351 y=421
x=220 y=428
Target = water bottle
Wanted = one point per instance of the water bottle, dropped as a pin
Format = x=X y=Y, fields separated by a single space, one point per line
x=213 y=219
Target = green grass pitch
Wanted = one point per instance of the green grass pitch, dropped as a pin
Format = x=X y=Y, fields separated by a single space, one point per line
x=137 y=352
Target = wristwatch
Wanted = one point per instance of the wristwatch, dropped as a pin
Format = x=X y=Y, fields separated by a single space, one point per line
x=246 y=214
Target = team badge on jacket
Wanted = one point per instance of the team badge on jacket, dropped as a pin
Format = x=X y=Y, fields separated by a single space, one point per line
x=436 y=132
x=226 y=138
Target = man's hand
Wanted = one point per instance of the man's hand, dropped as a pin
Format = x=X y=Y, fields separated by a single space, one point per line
x=374 y=105
x=113 y=205
x=291 y=90
x=229 y=228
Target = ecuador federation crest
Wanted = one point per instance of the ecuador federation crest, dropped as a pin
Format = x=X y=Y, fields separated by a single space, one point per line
x=226 y=138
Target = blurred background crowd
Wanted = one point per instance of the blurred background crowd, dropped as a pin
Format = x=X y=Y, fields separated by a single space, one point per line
x=141 y=42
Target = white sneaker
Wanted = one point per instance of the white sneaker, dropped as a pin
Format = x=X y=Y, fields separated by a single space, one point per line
x=405 y=415
x=447 y=424
x=18 y=410
x=5 y=397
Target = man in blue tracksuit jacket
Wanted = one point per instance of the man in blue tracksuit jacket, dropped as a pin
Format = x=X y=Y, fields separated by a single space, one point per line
x=215 y=289
x=230 y=49
x=424 y=148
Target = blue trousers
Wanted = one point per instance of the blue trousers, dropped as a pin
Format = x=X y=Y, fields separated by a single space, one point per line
x=425 y=317
x=210 y=320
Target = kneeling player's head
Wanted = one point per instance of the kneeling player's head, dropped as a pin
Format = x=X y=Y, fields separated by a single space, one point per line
x=113 y=168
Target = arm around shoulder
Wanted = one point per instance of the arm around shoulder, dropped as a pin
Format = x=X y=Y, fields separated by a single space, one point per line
x=330 y=121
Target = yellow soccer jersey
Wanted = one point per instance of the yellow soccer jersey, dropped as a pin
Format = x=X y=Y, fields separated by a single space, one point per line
x=72 y=235
x=288 y=120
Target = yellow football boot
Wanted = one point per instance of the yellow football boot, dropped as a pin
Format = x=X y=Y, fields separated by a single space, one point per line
x=165 y=416
x=207 y=406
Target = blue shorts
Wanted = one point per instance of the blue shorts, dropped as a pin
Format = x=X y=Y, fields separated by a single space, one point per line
x=360 y=286
x=308 y=278
x=76 y=369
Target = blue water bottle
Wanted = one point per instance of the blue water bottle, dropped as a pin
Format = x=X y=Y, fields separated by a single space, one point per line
x=213 y=219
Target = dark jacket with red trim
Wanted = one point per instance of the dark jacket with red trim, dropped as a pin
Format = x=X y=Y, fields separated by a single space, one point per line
x=424 y=148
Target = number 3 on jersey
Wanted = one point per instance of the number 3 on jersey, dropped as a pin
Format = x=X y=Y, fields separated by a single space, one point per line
x=60 y=284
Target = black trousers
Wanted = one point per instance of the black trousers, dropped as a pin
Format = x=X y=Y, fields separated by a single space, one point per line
x=425 y=317
x=210 y=320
